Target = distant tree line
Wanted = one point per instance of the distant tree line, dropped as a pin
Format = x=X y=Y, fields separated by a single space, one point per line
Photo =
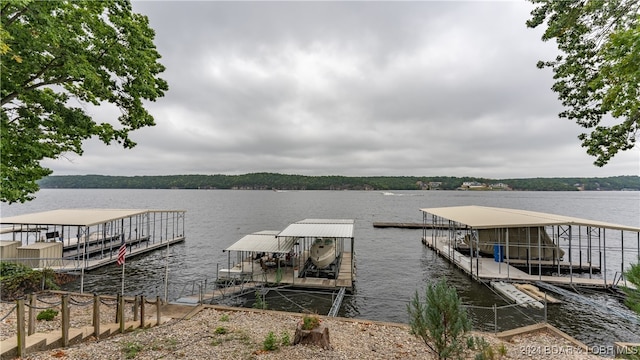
x=268 y=181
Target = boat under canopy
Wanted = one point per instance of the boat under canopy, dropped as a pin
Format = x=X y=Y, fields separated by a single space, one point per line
x=305 y=254
x=524 y=242
x=532 y=246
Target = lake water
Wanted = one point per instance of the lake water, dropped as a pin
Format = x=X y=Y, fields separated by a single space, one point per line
x=391 y=263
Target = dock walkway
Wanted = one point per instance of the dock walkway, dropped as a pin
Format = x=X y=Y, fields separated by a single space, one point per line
x=487 y=269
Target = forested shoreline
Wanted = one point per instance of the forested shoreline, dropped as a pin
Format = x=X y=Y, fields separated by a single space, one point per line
x=269 y=181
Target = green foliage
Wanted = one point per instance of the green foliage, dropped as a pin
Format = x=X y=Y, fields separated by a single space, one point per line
x=598 y=76
x=470 y=343
x=485 y=351
x=168 y=344
x=8 y=269
x=630 y=353
x=224 y=317
x=278 y=275
x=261 y=181
x=16 y=280
x=440 y=321
x=259 y=302
x=633 y=295
x=131 y=349
x=220 y=330
x=502 y=350
x=47 y=315
x=285 y=339
x=216 y=342
x=310 y=322
x=270 y=343
x=52 y=52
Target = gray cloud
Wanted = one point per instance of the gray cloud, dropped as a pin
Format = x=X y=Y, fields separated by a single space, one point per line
x=350 y=88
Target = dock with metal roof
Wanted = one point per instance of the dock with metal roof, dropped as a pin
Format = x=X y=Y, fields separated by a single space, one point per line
x=532 y=246
x=86 y=239
x=281 y=257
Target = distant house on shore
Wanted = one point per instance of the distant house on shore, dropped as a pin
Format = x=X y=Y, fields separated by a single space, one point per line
x=473 y=185
x=500 y=186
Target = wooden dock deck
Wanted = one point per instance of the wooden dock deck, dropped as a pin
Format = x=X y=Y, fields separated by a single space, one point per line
x=487 y=269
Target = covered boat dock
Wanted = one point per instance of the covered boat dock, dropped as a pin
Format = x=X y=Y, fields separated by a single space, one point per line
x=85 y=239
x=498 y=244
x=283 y=257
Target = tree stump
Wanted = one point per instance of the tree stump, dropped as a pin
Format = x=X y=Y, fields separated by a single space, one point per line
x=318 y=336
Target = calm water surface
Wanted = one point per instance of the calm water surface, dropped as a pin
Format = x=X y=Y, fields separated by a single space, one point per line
x=391 y=263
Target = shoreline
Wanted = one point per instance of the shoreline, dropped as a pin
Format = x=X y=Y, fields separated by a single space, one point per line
x=239 y=333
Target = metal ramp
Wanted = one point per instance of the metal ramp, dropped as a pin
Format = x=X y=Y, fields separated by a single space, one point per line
x=515 y=295
x=337 y=303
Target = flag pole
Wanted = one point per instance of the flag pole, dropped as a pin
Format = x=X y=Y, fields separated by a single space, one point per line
x=122 y=279
x=122 y=254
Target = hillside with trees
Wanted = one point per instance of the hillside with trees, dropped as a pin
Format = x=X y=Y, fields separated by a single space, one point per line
x=269 y=181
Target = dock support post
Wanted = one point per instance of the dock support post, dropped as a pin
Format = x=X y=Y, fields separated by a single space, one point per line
x=158 y=311
x=622 y=253
x=121 y=314
x=545 y=307
x=20 y=327
x=495 y=319
x=142 y=311
x=32 y=317
x=570 y=255
x=96 y=316
x=580 y=247
x=65 y=320
x=117 y=308
x=604 y=257
x=135 y=308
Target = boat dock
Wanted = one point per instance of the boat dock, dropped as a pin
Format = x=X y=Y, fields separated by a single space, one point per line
x=271 y=259
x=287 y=257
x=86 y=239
x=486 y=269
x=532 y=247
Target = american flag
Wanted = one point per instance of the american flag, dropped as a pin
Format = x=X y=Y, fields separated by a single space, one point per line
x=122 y=252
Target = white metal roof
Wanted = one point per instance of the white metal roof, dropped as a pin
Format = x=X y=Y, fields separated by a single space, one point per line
x=482 y=217
x=74 y=217
x=339 y=228
x=264 y=241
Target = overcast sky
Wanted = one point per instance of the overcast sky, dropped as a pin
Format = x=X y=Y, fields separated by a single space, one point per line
x=350 y=88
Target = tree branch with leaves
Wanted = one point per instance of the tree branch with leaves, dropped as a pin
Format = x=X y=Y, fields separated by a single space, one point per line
x=597 y=77
x=96 y=52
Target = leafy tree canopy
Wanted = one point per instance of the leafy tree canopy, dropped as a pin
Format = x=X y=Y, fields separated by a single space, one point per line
x=94 y=52
x=598 y=77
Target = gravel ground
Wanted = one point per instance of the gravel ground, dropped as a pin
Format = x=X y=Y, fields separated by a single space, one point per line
x=240 y=334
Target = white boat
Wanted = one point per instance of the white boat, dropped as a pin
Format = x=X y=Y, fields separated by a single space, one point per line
x=323 y=252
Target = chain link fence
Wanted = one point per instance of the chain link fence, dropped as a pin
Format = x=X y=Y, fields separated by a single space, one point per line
x=484 y=318
x=506 y=317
